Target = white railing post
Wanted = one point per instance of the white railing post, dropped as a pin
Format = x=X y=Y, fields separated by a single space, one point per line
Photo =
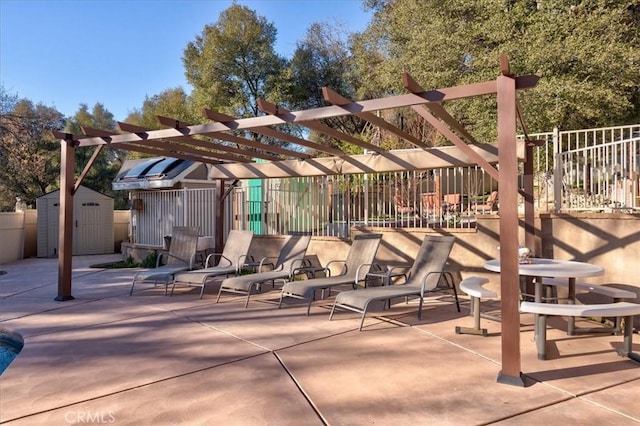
x=557 y=171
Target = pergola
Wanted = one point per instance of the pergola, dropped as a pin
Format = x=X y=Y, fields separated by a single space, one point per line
x=227 y=162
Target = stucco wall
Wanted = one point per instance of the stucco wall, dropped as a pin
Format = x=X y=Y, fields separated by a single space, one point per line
x=12 y=236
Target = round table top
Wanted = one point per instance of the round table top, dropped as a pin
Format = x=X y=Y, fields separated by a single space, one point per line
x=551 y=268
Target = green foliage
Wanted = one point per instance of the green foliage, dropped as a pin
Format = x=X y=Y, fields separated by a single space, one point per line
x=150 y=260
x=232 y=63
x=29 y=155
x=587 y=51
x=108 y=162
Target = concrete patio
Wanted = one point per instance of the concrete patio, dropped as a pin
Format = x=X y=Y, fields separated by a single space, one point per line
x=107 y=357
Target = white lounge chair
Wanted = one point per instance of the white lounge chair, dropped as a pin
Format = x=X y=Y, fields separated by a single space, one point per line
x=234 y=255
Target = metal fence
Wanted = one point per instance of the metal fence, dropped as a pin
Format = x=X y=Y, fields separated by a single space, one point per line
x=594 y=169
x=598 y=170
x=158 y=212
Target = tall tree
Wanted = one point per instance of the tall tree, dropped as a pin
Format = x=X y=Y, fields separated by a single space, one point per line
x=174 y=103
x=29 y=155
x=588 y=52
x=233 y=63
x=323 y=58
x=108 y=163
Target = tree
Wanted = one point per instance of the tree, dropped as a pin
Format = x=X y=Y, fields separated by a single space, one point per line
x=109 y=161
x=233 y=63
x=29 y=155
x=590 y=66
x=174 y=103
x=323 y=59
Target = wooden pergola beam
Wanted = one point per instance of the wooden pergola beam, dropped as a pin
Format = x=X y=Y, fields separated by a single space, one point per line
x=231 y=123
x=167 y=121
x=339 y=100
x=284 y=116
x=170 y=148
x=399 y=101
x=418 y=159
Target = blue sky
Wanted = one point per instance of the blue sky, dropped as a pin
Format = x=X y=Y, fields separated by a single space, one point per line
x=116 y=52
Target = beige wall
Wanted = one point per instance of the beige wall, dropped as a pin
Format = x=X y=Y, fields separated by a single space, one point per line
x=121 y=220
x=11 y=236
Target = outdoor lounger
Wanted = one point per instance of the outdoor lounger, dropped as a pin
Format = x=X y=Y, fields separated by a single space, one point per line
x=181 y=257
x=290 y=258
x=424 y=277
x=232 y=258
x=355 y=269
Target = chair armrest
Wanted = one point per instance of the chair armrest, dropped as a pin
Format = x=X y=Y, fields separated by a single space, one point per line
x=264 y=262
x=448 y=277
x=242 y=260
x=364 y=276
x=326 y=267
x=209 y=257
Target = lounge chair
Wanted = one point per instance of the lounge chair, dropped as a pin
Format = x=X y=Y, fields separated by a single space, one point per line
x=424 y=277
x=489 y=206
x=180 y=257
x=355 y=269
x=290 y=258
x=232 y=258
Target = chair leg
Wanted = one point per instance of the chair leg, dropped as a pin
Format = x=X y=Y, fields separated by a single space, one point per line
x=219 y=293
x=132 y=284
x=281 y=297
x=246 y=304
x=333 y=308
x=201 y=290
x=309 y=306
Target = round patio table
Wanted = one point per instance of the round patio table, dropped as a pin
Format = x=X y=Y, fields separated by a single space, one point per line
x=537 y=267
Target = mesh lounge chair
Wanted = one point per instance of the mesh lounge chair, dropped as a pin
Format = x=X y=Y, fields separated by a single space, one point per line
x=290 y=258
x=356 y=267
x=231 y=260
x=424 y=277
x=181 y=257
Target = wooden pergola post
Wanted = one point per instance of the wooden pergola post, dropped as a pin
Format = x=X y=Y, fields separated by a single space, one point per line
x=65 y=230
x=509 y=276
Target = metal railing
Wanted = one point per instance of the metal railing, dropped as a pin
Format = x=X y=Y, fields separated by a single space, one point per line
x=594 y=169
x=159 y=211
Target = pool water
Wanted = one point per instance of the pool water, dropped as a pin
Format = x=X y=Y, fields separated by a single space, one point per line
x=11 y=344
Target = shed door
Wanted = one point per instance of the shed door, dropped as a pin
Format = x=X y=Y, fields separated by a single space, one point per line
x=87 y=228
x=88 y=235
x=53 y=215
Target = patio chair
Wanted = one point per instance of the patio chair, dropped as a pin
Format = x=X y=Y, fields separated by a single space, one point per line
x=490 y=204
x=424 y=277
x=355 y=269
x=401 y=206
x=180 y=257
x=451 y=203
x=232 y=258
x=291 y=258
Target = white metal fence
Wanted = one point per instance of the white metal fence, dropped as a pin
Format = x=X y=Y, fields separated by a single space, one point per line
x=598 y=169
x=594 y=169
x=158 y=211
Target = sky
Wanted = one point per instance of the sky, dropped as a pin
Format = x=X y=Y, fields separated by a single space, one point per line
x=117 y=52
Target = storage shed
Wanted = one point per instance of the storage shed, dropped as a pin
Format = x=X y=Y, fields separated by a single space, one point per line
x=93 y=223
